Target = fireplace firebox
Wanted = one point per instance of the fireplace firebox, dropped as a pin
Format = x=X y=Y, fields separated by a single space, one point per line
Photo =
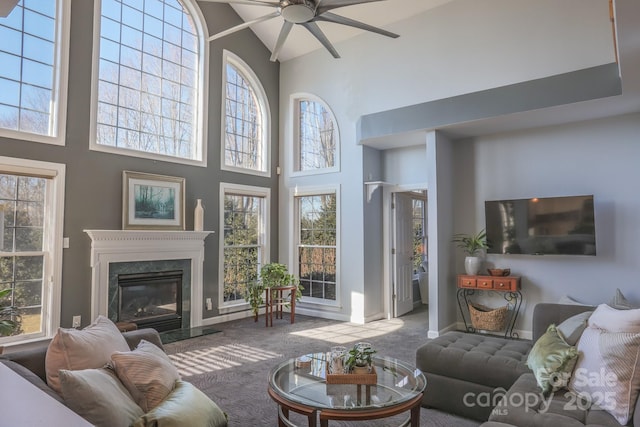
x=151 y=300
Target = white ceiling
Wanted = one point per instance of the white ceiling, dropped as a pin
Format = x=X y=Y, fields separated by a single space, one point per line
x=300 y=41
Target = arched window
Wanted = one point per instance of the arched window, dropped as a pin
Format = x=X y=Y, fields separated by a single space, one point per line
x=315 y=136
x=246 y=120
x=149 y=81
x=34 y=56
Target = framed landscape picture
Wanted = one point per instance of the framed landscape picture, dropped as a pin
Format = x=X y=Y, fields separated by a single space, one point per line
x=152 y=202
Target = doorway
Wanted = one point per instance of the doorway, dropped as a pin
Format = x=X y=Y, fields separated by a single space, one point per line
x=409 y=258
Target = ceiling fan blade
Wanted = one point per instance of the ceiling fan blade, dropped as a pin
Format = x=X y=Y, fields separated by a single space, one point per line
x=243 y=26
x=251 y=2
x=338 y=19
x=317 y=32
x=284 y=33
x=326 y=5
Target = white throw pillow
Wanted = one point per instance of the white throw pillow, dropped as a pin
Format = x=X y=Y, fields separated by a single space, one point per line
x=571 y=329
x=74 y=349
x=607 y=373
x=566 y=299
x=613 y=320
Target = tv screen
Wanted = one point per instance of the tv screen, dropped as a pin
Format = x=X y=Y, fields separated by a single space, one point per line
x=541 y=226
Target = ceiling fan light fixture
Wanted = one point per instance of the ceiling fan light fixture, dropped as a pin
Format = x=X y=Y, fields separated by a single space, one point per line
x=298 y=12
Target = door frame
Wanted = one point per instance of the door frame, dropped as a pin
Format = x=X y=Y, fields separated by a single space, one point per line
x=387 y=239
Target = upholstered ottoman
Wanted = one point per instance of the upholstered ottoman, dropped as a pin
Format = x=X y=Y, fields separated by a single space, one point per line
x=464 y=370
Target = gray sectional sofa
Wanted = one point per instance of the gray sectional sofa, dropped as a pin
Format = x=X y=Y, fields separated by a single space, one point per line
x=486 y=378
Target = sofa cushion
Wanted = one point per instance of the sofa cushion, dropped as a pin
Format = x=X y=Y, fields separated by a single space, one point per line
x=481 y=359
x=551 y=359
x=99 y=397
x=524 y=406
x=185 y=406
x=607 y=371
x=147 y=372
x=91 y=347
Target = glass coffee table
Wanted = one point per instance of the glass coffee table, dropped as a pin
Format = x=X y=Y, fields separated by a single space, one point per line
x=300 y=385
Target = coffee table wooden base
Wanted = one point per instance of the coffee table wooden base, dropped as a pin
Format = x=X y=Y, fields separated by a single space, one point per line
x=326 y=415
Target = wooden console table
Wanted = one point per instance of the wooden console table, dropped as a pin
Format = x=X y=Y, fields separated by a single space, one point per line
x=507 y=286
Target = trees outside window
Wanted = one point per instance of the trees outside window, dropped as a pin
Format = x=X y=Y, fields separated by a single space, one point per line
x=246 y=120
x=315 y=137
x=30 y=230
x=150 y=79
x=317 y=245
x=244 y=239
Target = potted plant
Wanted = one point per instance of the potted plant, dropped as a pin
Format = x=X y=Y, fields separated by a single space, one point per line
x=360 y=358
x=271 y=275
x=471 y=244
x=7 y=315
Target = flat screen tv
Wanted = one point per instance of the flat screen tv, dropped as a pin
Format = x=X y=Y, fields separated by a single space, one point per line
x=541 y=226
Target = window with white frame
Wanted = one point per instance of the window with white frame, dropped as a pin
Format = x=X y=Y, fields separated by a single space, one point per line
x=316 y=221
x=315 y=136
x=246 y=119
x=33 y=53
x=149 y=79
x=31 y=209
x=418 y=203
x=245 y=239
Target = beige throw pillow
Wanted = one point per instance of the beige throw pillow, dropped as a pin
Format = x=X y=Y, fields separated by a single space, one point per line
x=99 y=397
x=147 y=372
x=614 y=320
x=74 y=349
x=607 y=372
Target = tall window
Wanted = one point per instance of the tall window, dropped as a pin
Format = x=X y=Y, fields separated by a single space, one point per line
x=317 y=245
x=419 y=232
x=315 y=137
x=246 y=119
x=30 y=244
x=33 y=54
x=150 y=79
x=245 y=238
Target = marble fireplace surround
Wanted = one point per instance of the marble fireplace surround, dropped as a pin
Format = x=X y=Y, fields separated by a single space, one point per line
x=118 y=246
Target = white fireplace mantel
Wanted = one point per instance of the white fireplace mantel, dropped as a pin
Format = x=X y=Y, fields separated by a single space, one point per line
x=112 y=246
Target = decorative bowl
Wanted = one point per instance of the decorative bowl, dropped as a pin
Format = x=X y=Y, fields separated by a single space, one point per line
x=499 y=271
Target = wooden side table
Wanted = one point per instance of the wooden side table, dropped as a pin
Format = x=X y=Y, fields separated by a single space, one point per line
x=507 y=286
x=278 y=298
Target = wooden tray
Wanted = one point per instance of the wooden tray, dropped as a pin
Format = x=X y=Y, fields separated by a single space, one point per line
x=370 y=378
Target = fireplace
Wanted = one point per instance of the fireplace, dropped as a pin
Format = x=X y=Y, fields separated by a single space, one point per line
x=151 y=299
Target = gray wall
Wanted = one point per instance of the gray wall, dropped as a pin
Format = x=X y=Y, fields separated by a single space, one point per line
x=94 y=179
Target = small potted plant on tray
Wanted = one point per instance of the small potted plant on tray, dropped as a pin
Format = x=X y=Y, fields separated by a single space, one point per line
x=360 y=358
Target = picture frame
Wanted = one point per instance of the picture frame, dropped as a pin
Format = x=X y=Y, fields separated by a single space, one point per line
x=152 y=202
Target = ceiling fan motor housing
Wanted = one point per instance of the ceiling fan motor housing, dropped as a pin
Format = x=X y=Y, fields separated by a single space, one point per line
x=298 y=11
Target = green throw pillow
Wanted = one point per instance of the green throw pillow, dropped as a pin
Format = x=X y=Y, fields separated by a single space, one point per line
x=552 y=360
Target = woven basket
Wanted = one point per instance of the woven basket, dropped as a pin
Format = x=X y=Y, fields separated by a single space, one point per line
x=488 y=319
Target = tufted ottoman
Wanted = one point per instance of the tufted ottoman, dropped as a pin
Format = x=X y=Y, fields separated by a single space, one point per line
x=464 y=370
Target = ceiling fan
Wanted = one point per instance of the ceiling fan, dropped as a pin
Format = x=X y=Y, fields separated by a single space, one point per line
x=306 y=13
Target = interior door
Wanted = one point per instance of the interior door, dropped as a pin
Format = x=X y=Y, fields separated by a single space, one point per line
x=403 y=254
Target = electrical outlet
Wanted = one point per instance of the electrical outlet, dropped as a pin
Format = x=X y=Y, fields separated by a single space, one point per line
x=76 y=321
x=209 y=304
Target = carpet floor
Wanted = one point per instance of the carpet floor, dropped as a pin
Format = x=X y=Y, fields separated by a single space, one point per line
x=232 y=366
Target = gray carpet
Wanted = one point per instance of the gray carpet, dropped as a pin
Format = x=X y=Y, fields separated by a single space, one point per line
x=232 y=367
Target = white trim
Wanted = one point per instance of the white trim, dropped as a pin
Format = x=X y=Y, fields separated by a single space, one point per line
x=292 y=139
x=264 y=238
x=111 y=246
x=294 y=232
x=200 y=122
x=54 y=224
x=247 y=72
x=59 y=90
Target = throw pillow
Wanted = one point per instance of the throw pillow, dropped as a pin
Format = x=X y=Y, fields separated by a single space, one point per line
x=619 y=301
x=90 y=347
x=572 y=328
x=185 y=406
x=551 y=359
x=612 y=320
x=99 y=397
x=147 y=372
x=566 y=299
x=607 y=373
